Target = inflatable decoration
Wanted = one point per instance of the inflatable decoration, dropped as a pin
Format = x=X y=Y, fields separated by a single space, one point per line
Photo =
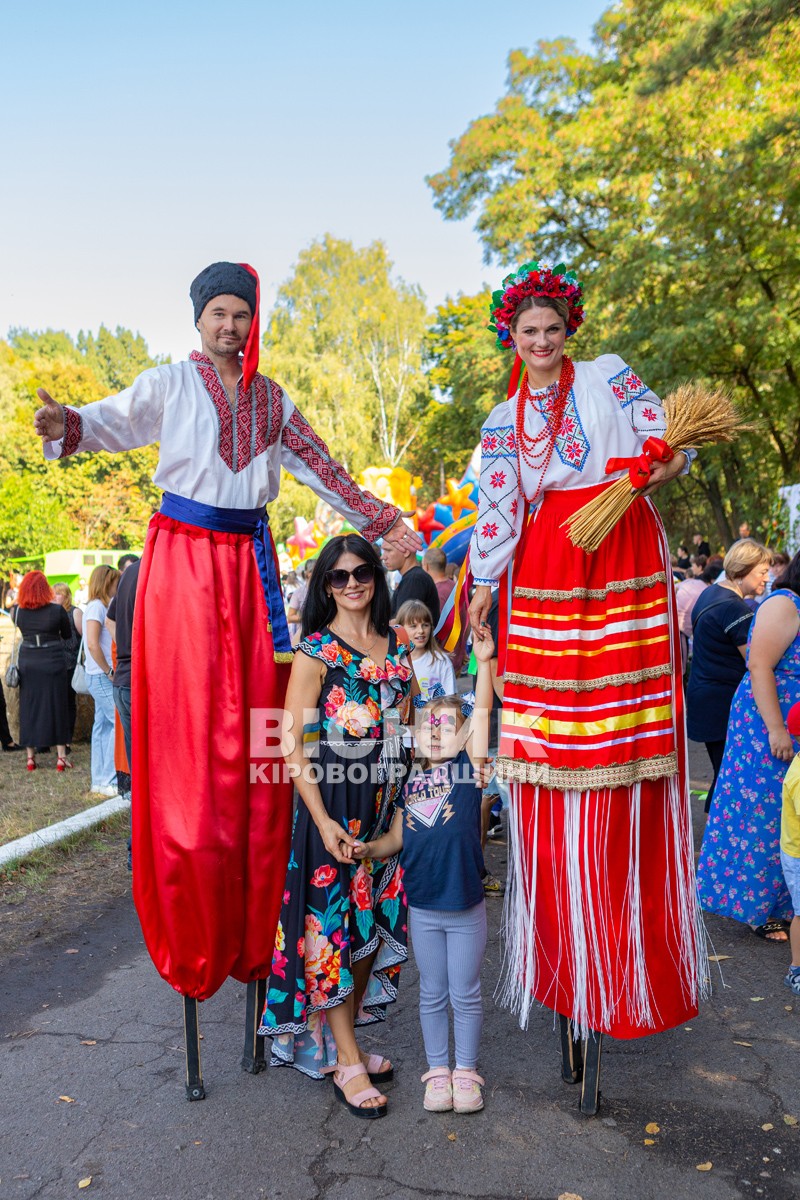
x=458 y=498
x=329 y=522
x=427 y=523
x=393 y=485
x=303 y=541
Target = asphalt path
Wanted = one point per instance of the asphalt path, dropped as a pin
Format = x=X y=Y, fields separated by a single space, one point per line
x=92 y=1088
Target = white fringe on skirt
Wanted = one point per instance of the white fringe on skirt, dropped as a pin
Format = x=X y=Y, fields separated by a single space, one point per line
x=583 y=935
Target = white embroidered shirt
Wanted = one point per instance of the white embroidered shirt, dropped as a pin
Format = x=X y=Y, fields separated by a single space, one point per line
x=215 y=452
x=610 y=413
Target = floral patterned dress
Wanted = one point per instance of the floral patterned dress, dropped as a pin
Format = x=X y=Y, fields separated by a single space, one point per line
x=335 y=914
x=739 y=873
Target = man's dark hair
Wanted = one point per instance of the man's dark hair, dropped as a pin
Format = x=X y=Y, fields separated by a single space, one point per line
x=126 y=560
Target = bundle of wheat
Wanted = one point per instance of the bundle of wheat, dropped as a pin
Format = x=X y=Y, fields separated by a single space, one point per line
x=695 y=417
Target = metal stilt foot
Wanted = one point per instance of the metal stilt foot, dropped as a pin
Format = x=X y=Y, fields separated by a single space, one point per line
x=253 y=1056
x=191 y=1035
x=571 y=1052
x=590 y=1091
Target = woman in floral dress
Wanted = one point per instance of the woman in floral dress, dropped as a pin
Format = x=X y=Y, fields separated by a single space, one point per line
x=342 y=932
x=739 y=874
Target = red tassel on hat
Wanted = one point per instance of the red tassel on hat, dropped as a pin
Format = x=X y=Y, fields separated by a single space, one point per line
x=251 y=350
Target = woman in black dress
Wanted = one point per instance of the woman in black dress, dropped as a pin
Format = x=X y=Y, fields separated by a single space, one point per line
x=342 y=932
x=43 y=680
x=63 y=596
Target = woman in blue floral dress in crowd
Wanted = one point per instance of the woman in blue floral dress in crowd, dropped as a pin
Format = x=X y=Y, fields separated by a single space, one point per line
x=342 y=932
x=739 y=873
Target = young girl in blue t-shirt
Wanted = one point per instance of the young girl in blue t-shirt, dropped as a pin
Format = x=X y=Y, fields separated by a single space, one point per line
x=437 y=827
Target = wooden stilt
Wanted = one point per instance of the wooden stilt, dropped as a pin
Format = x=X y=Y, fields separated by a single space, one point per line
x=253 y=1056
x=590 y=1091
x=571 y=1052
x=191 y=1035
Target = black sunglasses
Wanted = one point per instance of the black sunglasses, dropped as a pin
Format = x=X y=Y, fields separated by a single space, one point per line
x=339 y=578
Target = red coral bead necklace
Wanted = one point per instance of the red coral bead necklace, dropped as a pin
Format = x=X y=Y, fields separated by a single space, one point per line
x=537 y=451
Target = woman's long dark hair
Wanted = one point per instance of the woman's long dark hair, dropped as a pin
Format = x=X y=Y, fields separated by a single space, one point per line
x=790 y=576
x=320 y=607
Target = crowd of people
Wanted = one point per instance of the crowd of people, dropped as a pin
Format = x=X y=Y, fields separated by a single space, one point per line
x=55 y=635
x=743 y=641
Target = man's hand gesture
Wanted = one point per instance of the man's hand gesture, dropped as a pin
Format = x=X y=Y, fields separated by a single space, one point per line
x=49 y=420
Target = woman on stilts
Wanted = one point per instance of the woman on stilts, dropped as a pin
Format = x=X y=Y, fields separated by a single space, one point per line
x=602 y=921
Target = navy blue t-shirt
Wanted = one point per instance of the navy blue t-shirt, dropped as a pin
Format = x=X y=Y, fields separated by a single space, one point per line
x=720 y=624
x=442 y=859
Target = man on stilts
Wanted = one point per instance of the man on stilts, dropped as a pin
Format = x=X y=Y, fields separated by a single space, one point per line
x=211 y=646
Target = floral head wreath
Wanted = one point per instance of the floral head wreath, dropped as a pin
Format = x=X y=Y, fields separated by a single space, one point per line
x=535 y=279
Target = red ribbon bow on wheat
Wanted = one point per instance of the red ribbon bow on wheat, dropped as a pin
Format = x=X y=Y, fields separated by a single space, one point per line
x=654 y=450
x=695 y=417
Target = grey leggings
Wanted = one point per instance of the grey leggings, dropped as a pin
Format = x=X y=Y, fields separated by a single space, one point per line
x=448 y=947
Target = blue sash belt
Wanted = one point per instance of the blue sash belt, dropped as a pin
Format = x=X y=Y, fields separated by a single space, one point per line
x=252 y=521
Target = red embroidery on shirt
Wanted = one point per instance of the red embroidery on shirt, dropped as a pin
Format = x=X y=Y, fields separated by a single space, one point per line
x=498 y=479
x=258 y=416
x=649 y=415
x=73 y=431
x=276 y=412
x=300 y=439
x=489 y=530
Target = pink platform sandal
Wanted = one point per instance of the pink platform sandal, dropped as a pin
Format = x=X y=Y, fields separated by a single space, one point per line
x=343 y=1075
x=376 y=1070
x=467 y=1094
x=438 y=1090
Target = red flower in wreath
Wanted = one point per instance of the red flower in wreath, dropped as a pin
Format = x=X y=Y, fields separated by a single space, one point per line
x=535 y=279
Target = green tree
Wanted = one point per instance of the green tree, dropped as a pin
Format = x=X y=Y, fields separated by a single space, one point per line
x=97 y=499
x=116 y=358
x=32 y=518
x=345 y=338
x=468 y=371
x=675 y=196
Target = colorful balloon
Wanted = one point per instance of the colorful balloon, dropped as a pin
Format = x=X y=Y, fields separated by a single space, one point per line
x=458 y=498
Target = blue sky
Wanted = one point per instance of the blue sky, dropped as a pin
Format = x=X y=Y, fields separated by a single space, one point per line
x=141 y=143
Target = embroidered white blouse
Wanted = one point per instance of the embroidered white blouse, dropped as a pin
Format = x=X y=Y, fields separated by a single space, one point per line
x=215 y=453
x=610 y=413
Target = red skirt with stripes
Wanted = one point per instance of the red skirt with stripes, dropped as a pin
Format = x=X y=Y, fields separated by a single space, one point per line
x=211 y=807
x=602 y=917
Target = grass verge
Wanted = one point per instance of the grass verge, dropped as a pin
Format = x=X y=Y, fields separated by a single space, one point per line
x=34 y=871
x=48 y=893
x=31 y=800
